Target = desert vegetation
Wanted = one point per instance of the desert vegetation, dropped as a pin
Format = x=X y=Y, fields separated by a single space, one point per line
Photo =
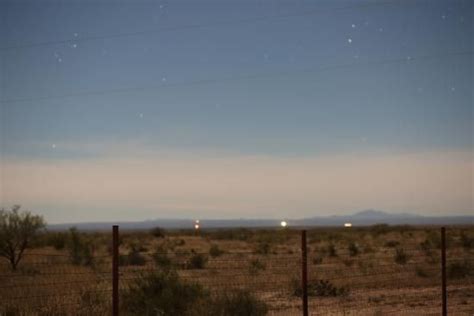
x=367 y=270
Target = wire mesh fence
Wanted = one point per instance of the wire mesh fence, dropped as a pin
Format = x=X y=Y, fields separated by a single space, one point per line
x=354 y=272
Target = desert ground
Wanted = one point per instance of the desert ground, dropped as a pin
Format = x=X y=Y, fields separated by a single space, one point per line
x=377 y=270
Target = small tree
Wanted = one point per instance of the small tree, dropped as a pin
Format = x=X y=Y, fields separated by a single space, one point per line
x=17 y=229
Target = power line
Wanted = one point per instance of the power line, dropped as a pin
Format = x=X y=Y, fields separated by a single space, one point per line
x=196 y=26
x=245 y=77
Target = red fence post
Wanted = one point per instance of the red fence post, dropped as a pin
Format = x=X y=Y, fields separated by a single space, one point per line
x=115 y=270
x=304 y=273
x=443 y=272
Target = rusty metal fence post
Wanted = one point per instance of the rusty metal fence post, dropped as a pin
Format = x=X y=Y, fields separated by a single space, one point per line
x=115 y=270
x=443 y=272
x=304 y=273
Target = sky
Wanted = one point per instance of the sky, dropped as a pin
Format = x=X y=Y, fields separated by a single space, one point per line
x=132 y=110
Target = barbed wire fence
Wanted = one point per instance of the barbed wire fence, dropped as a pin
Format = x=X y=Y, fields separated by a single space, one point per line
x=308 y=278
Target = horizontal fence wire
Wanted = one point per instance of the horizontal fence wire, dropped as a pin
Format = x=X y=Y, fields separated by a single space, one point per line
x=356 y=273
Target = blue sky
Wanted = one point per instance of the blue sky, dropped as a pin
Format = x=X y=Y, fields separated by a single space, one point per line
x=92 y=84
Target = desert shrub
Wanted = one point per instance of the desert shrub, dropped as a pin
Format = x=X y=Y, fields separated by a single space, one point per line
x=323 y=288
x=241 y=234
x=162 y=293
x=263 y=248
x=197 y=261
x=18 y=231
x=459 y=269
x=433 y=240
x=133 y=258
x=161 y=259
x=215 y=251
x=157 y=232
x=331 y=250
x=317 y=260
x=401 y=257
x=379 y=229
x=238 y=303
x=376 y=299
x=81 y=250
x=256 y=266
x=57 y=240
x=392 y=243
x=368 y=249
x=402 y=229
x=90 y=298
x=467 y=242
x=421 y=272
x=28 y=270
x=353 y=249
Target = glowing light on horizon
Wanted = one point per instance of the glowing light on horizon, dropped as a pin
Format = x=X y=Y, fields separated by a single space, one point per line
x=347 y=224
x=283 y=224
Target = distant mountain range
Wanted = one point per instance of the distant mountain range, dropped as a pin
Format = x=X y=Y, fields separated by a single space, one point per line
x=363 y=218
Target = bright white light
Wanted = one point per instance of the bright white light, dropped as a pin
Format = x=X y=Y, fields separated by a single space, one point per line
x=283 y=224
x=349 y=40
x=353 y=26
x=197 y=221
x=347 y=224
x=60 y=60
x=74 y=45
x=196 y=226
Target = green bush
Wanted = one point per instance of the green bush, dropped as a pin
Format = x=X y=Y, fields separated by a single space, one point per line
x=133 y=258
x=197 y=261
x=422 y=273
x=459 y=269
x=81 y=250
x=263 y=248
x=162 y=293
x=467 y=241
x=353 y=249
x=379 y=229
x=317 y=260
x=215 y=251
x=237 y=303
x=392 y=243
x=158 y=232
x=162 y=260
x=401 y=257
x=256 y=266
x=241 y=234
x=331 y=250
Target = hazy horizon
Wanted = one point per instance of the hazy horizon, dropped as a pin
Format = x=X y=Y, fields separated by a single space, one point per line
x=236 y=109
